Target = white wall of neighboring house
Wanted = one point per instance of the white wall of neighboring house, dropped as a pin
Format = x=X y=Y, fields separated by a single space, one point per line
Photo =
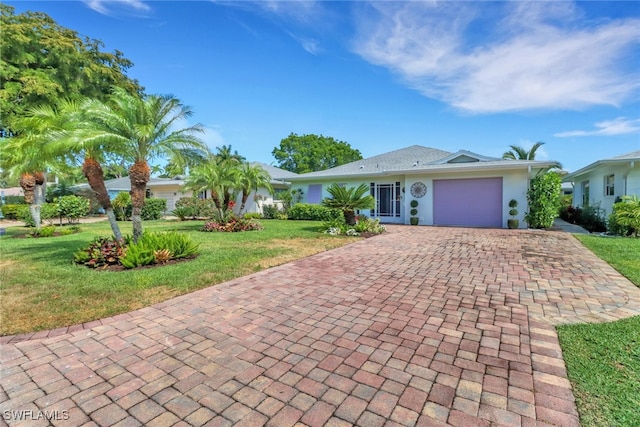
x=626 y=182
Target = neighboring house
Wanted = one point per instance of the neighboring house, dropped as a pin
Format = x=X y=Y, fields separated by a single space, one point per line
x=172 y=189
x=604 y=182
x=455 y=189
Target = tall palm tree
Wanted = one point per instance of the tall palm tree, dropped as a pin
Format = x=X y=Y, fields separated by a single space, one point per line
x=225 y=153
x=251 y=178
x=519 y=153
x=348 y=200
x=143 y=128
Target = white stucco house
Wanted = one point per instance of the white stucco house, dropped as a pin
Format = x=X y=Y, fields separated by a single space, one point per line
x=604 y=182
x=452 y=189
x=172 y=189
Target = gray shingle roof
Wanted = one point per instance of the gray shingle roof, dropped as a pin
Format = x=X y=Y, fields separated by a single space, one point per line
x=632 y=156
x=416 y=159
x=276 y=173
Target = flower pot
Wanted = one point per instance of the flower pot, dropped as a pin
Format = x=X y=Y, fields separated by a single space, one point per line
x=414 y=220
x=513 y=223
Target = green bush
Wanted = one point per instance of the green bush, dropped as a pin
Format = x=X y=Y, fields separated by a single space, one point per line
x=46 y=231
x=103 y=251
x=252 y=215
x=12 y=211
x=153 y=209
x=313 y=212
x=193 y=208
x=150 y=247
x=592 y=219
x=72 y=208
x=48 y=212
x=626 y=216
x=544 y=200
x=272 y=212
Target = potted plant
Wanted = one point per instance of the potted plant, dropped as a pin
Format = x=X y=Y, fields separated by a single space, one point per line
x=513 y=223
x=414 y=211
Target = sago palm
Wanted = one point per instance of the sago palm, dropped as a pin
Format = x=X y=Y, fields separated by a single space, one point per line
x=220 y=177
x=142 y=129
x=348 y=200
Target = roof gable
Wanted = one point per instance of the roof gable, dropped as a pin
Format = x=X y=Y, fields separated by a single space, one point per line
x=464 y=156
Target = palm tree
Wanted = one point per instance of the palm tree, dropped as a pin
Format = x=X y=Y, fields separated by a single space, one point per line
x=67 y=134
x=186 y=160
x=519 y=153
x=28 y=154
x=225 y=153
x=218 y=176
x=251 y=178
x=348 y=200
x=142 y=128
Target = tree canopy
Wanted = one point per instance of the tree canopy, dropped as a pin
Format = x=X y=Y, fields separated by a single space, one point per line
x=43 y=62
x=310 y=153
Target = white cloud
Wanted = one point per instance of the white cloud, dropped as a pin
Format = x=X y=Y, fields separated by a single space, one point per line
x=617 y=126
x=486 y=58
x=106 y=7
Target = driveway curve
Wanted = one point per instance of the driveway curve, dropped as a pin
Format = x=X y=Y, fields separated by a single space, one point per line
x=420 y=326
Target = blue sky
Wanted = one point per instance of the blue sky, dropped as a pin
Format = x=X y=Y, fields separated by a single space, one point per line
x=467 y=75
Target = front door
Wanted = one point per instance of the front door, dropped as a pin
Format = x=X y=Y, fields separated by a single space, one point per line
x=388 y=201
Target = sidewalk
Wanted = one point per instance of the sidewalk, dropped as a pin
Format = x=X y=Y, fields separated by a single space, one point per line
x=562 y=225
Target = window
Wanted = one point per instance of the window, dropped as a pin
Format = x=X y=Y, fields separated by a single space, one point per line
x=202 y=195
x=314 y=194
x=609 y=181
x=585 y=193
x=278 y=192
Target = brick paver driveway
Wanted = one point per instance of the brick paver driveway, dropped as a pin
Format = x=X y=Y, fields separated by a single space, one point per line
x=420 y=326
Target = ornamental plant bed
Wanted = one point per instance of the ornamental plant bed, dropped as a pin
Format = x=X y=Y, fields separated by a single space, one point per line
x=120 y=267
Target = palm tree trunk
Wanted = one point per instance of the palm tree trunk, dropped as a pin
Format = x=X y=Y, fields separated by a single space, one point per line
x=28 y=184
x=139 y=175
x=349 y=216
x=243 y=201
x=92 y=170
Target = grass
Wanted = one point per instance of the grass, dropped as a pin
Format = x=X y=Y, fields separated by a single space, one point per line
x=603 y=360
x=41 y=288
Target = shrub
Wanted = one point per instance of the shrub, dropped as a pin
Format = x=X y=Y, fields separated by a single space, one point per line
x=363 y=224
x=571 y=214
x=103 y=251
x=65 y=231
x=626 y=215
x=153 y=209
x=150 y=248
x=46 y=231
x=543 y=197
x=252 y=215
x=193 y=207
x=272 y=212
x=233 y=225
x=592 y=219
x=72 y=208
x=12 y=211
x=48 y=211
x=312 y=212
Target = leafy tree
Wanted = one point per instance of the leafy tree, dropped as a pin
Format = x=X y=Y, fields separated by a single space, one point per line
x=141 y=129
x=348 y=200
x=251 y=178
x=544 y=200
x=309 y=153
x=42 y=62
x=519 y=153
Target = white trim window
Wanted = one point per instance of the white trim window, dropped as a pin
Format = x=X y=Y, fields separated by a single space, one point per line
x=609 y=185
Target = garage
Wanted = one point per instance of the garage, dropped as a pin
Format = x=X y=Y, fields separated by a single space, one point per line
x=170 y=197
x=468 y=202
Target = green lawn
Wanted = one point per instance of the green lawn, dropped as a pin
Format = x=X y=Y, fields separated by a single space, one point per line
x=603 y=360
x=41 y=288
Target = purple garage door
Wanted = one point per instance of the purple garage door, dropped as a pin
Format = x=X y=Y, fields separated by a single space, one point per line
x=468 y=202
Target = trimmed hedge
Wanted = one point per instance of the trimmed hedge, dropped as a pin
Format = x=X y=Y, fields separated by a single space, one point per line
x=312 y=212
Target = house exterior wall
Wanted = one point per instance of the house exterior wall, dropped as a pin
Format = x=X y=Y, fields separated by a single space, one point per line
x=626 y=182
x=515 y=185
